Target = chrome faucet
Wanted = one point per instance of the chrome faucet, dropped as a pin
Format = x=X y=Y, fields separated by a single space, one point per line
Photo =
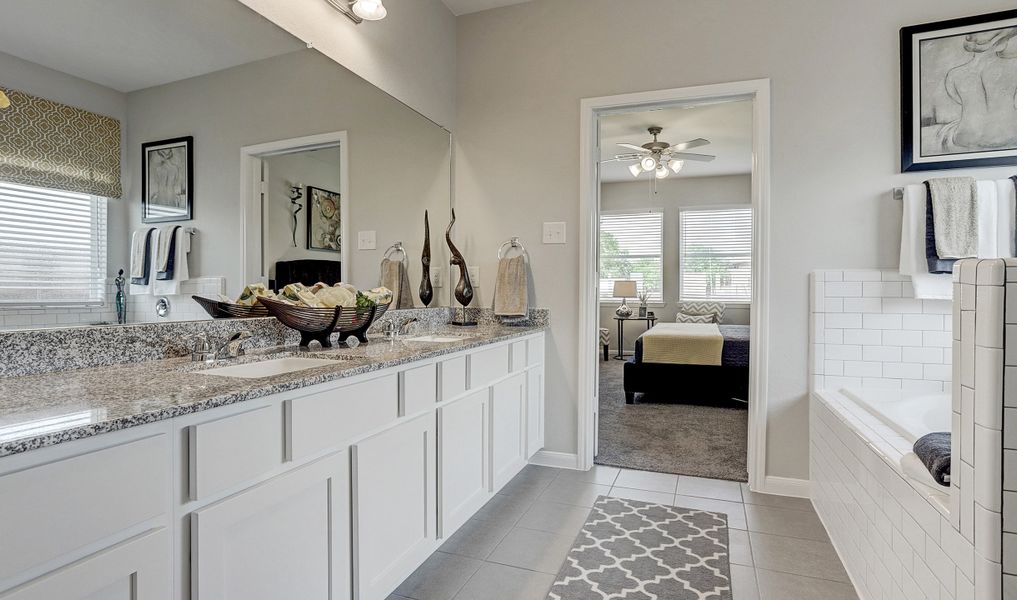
x=392 y=332
x=404 y=329
x=233 y=347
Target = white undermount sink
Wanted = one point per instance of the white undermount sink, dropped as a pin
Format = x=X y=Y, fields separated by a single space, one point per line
x=269 y=368
x=433 y=338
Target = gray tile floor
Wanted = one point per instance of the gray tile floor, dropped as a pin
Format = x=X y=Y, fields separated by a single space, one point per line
x=513 y=547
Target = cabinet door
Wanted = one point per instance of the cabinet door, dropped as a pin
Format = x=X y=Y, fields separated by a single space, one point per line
x=463 y=467
x=137 y=569
x=534 y=411
x=394 y=505
x=285 y=538
x=508 y=429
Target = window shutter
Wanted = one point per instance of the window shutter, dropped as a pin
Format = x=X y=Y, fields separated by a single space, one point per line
x=716 y=254
x=631 y=247
x=52 y=247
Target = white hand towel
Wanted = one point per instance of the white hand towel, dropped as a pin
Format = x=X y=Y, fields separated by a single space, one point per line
x=165 y=244
x=140 y=244
x=954 y=209
x=171 y=287
x=912 y=249
x=1006 y=201
x=138 y=289
x=988 y=211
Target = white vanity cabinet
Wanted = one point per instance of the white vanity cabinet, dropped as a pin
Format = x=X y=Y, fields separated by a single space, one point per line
x=394 y=507
x=336 y=491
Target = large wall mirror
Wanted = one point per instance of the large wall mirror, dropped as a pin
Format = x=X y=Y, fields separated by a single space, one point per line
x=268 y=161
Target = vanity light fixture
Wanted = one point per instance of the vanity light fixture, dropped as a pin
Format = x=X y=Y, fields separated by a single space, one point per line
x=359 y=11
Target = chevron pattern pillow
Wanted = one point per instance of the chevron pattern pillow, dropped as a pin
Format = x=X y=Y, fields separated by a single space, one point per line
x=703 y=308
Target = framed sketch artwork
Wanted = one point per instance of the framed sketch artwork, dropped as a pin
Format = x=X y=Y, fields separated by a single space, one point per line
x=959 y=93
x=324 y=220
x=167 y=180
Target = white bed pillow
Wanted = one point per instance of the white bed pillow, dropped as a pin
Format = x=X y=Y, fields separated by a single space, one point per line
x=686 y=318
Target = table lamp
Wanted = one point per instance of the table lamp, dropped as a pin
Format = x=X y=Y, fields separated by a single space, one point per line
x=624 y=289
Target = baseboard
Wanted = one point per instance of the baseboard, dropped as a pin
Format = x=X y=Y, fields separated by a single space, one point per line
x=560 y=460
x=786 y=486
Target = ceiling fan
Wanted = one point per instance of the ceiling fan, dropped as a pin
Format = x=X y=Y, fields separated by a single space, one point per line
x=661 y=158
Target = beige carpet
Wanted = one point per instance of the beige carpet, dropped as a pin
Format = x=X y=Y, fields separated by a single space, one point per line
x=656 y=435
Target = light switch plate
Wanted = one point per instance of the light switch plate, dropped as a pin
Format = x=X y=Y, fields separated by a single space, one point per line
x=367 y=240
x=554 y=233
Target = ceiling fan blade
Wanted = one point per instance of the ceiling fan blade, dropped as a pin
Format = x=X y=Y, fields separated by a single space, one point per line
x=628 y=156
x=689 y=145
x=639 y=149
x=693 y=157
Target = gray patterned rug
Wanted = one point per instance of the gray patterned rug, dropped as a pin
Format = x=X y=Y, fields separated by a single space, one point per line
x=640 y=551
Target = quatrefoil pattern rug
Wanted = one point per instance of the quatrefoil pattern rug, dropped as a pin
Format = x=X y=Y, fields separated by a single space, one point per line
x=631 y=550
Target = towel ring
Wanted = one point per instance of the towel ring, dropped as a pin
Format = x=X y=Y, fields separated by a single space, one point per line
x=510 y=244
x=394 y=248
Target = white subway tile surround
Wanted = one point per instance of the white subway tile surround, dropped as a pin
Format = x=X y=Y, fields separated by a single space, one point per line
x=895 y=541
x=868 y=330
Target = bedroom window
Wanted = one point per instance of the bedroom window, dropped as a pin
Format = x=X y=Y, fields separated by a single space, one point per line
x=716 y=254
x=52 y=247
x=632 y=247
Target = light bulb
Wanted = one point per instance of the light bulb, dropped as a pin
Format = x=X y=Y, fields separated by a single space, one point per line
x=636 y=170
x=370 y=10
x=676 y=165
x=662 y=172
x=648 y=163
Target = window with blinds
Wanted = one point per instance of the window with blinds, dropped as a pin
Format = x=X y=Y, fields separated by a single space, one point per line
x=632 y=247
x=52 y=247
x=715 y=254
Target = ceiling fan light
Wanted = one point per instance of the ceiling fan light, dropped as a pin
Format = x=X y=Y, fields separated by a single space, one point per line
x=636 y=170
x=648 y=163
x=676 y=165
x=662 y=172
x=370 y=10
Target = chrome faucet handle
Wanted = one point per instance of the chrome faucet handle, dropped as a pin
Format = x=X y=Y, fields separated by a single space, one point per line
x=388 y=329
x=233 y=346
x=405 y=327
x=201 y=347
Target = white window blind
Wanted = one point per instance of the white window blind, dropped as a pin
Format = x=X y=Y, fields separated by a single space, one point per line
x=632 y=247
x=52 y=247
x=716 y=254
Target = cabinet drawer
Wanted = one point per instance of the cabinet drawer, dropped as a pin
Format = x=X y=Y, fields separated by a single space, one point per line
x=331 y=419
x=418 y=389
x=56 y=508
x=535 y=351
x=488 y=365
x=234 y=449
x=518 y=356
x=453 y=378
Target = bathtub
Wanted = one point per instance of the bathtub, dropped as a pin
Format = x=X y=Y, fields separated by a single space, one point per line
x=911 y=414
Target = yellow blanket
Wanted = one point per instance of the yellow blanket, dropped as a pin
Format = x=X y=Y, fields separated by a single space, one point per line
x=683 y=344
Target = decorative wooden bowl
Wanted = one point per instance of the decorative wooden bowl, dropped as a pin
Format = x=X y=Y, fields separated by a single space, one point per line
x=227 y=310
x=320 y=323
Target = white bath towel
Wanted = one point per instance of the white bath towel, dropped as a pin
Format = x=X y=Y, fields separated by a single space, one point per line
x=1006 y=219
x=988 y=215
x=140 y=253
x=182 y=247
x=927 y=286
x=165 y=244
x=145 y=289
x=955 y=212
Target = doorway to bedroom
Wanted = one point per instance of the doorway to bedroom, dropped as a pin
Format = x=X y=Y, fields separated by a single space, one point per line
x=674 y=304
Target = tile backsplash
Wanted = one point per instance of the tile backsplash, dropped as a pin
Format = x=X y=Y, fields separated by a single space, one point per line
x=867 y=329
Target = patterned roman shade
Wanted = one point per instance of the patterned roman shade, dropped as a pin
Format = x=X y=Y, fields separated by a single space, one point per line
x=51 y=145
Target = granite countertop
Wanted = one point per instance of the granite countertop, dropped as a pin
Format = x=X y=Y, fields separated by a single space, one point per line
x=50 y=408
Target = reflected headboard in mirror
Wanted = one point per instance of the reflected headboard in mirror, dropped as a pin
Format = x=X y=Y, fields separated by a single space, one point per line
x=293 y=158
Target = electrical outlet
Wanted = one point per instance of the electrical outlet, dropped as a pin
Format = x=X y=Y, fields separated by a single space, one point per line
x=436 y=280
x=474 y=271
x=367 y=240
x=554 y=233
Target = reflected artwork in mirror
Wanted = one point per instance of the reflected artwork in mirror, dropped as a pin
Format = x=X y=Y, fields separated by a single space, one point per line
x=300 y=182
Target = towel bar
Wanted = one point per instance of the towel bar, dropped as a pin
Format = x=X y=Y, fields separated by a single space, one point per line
x=898 y=193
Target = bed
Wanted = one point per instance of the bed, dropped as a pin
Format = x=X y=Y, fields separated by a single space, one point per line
x=694 y=383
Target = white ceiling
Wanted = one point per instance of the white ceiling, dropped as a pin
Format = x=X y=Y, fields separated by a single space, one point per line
x=727 y=125
x=129 y=45
x=462 y=7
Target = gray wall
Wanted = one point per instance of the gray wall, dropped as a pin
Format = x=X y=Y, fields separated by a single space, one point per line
x=523 y=69
x=399 y=161
x=672 y=194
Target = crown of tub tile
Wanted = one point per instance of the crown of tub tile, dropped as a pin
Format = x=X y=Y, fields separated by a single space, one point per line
x=991 y=271
x=34 y=351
